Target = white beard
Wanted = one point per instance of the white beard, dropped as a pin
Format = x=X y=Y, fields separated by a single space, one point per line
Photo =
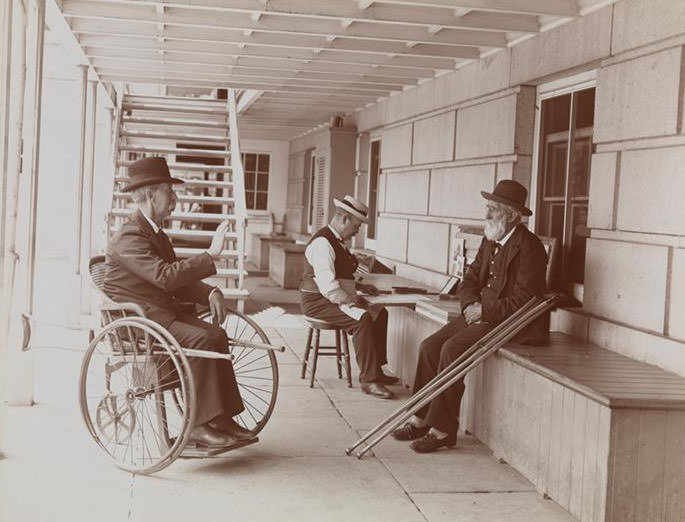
x=494 y=229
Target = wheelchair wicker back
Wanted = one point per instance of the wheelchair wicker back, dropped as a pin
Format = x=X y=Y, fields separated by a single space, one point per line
x=137 y=394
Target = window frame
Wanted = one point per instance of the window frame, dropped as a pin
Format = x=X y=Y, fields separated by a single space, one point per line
x=553 y=89
x=310 y=197
x=244 y=153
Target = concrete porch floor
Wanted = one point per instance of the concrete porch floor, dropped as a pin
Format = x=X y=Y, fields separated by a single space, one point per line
x=298 y=471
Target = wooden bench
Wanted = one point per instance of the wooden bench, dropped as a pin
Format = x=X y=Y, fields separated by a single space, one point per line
x=261 y=248
x=601 y=434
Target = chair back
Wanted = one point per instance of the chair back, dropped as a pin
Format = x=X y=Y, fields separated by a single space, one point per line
x=551 y=247
x=109 y=309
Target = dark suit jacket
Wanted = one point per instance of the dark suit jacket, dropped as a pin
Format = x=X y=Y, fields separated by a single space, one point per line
x=141 y=267
x=520 y=276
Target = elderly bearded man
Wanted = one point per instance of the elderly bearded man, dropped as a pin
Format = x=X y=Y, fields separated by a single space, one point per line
x=508 y=270
x=328 y=293
x=141 y=267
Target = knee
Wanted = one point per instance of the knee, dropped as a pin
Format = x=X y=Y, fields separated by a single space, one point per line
x=215 y=338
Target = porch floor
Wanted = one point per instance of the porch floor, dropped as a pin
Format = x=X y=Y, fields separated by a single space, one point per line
x=298 y=471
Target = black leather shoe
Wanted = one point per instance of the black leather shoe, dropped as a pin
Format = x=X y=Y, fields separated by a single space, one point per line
x=410 y=432
x=230 y=427
x=377 y=390
x=206 y=437
x=388 y=380
x=430 y=443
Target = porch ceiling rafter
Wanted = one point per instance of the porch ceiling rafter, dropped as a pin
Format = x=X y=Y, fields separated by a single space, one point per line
x=236 y=71
x=364 y=30
x=343 y=11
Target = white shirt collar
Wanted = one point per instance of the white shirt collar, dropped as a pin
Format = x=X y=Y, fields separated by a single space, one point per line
x=154 y=226
x=335 y=233
x=504 y=240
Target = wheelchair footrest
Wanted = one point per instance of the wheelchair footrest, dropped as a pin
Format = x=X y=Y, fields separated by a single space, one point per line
x=200 y=453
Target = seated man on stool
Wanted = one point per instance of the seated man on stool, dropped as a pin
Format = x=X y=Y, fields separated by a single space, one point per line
x=328 y=293
x=141 y=267
x=508 y=271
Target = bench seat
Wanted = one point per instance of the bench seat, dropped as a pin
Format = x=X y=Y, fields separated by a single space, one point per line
x=601 y=434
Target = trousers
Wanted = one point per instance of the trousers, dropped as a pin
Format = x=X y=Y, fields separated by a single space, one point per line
x=216 y=388
x=436 y=353
x=369 y=336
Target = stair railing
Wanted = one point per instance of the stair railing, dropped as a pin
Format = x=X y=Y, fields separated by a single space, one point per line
x=116 y=137
x=238 y=179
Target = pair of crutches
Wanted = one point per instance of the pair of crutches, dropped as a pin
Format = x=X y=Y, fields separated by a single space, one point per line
x=467 y=361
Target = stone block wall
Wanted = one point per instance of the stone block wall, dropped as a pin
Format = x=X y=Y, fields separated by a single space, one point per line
x=449 y=138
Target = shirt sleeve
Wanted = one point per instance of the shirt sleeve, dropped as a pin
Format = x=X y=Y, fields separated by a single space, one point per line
x=321 y=256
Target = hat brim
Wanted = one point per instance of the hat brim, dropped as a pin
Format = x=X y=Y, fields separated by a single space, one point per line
x=151 y=181
x=492 y=197
x=350 y=210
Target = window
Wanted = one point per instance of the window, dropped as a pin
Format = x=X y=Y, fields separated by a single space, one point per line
x=374 y=170
x=256 y=168
x=564 y=154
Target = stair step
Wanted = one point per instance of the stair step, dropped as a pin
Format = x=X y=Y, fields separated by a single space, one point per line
x=175 y=150
x=189 y=252
x=229 y=273
x=145 y=98
x=166 y=107
x=191 y=234
x=191 y=217
x=189 y=167
x=204 y=138
x=186 y=198
x=235 y=293
x=175 y=121
x=191 y=182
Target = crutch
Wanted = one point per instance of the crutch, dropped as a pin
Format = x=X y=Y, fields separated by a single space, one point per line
x=485 y=347
x=458 y=361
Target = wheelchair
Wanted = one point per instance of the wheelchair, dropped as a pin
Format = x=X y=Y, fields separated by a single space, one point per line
x=136 y=390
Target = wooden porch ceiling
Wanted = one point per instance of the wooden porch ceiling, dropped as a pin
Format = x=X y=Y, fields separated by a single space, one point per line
x=311 y=58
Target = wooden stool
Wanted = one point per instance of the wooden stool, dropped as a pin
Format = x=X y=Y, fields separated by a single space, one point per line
x=342 y=357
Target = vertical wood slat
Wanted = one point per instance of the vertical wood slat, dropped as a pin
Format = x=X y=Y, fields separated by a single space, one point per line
x=545 y=438
x=566 y=448
x=650 y=466
x=622 y=485
x=590 y=478
x=674 y=467
x=603 y=454
x=578 y=454
x=555 y=446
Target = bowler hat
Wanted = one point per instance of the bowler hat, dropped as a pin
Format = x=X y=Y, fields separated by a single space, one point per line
x=148 y=171
x=510 y=193
x=354 y=207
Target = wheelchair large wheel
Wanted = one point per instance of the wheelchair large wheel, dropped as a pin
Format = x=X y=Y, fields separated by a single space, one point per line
x=133 y=369
x=256 y=370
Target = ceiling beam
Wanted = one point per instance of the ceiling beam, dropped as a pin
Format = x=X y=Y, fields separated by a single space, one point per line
x=363 y=30
x=341 y=10
x=562 y=8
x=361 y=95
x=158 y=64
x=221 y=49
x=189 y=74
x=134 y=29
x=276 y=63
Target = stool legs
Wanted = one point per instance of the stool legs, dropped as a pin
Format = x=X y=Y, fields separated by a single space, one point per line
x=338 y=353
x=308 y=348
x=316 y=356
x=346 y=352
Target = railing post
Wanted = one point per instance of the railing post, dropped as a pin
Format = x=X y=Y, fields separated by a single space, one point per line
x=238 y=179
x=81 y=167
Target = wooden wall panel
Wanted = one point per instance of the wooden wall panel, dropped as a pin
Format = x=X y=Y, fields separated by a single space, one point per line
x=434 y=139
x=397 y=147
x=407 y=192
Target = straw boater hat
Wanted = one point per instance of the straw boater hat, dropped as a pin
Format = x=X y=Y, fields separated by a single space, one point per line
x=510 y=193
x=353 y=207
x=148 y=171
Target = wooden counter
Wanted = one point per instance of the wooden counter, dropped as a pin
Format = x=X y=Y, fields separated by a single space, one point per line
x=261 y=246
x=286 y=264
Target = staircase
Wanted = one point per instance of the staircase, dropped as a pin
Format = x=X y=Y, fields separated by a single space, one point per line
x=199 y=139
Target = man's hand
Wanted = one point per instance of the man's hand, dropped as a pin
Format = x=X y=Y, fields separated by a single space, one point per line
x=367 y=289
x=473 y=312
x=218 y=239
x=217 y=306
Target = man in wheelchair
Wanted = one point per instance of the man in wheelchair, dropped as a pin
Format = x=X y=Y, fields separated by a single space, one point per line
x=141 y=267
